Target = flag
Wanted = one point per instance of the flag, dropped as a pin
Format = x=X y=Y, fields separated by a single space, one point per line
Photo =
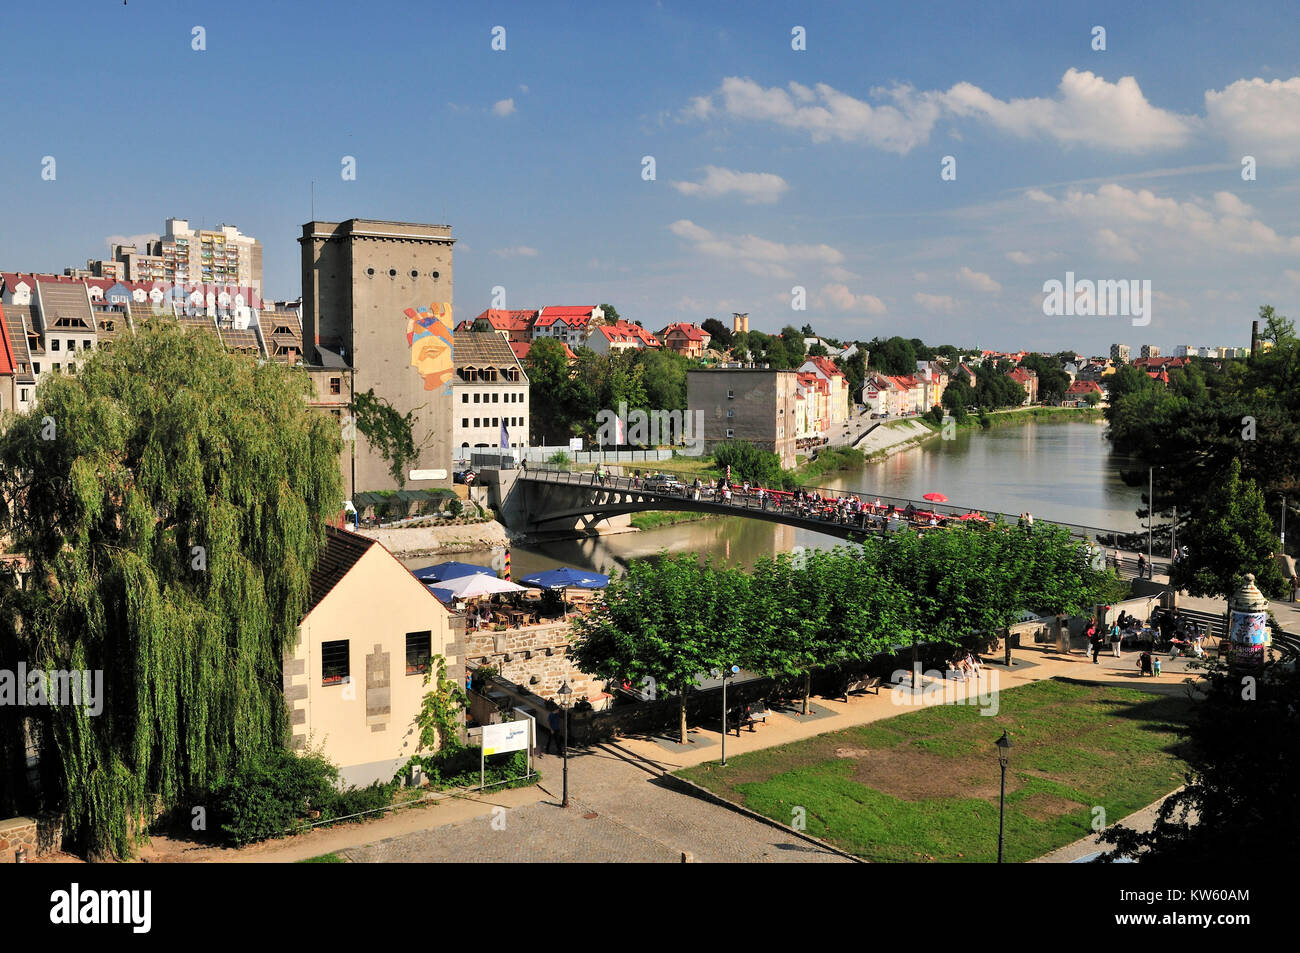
x=505 y=435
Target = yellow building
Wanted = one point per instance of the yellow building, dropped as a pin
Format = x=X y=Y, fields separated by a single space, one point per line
x=355 y=681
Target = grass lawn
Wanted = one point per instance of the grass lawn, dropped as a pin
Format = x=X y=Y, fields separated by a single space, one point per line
x=324 y=859
x=923 y=785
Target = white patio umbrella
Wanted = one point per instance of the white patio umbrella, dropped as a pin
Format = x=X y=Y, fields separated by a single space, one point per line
x=468 y=587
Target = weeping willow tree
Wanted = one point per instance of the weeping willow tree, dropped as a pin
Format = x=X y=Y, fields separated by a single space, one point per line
x=171 y=501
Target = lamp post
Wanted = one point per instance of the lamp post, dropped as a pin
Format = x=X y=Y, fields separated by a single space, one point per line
x=564 y=692
x=726 y=674
x=1004 y=755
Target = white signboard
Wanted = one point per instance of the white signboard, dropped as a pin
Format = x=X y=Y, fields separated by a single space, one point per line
x=575 y=443
x=511 y=736
x=427 y=475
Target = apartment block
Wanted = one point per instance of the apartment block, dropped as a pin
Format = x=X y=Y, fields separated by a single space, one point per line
x=489 y=394
x=757 y=405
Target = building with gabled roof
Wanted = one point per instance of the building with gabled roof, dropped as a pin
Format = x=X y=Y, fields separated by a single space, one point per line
x=518 y=325
x=567 y=323
x=620 y=336
x=688 y=340
x=838 y=384
x=354 y=681
x=1029 y=381
x=489 y=394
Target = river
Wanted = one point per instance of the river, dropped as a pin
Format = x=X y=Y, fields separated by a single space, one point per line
x=1064 y=471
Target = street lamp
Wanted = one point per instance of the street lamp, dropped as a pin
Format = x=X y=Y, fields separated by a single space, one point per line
x=1151 y=515
x=1004 y=755
x=564 y=692
x=726 y=673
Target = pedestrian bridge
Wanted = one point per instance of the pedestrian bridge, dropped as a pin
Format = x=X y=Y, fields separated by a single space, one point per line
x=543 y=499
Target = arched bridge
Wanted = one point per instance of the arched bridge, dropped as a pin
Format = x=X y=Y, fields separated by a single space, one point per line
x=558 y=499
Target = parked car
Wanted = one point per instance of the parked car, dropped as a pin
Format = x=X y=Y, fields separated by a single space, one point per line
x=663 y=483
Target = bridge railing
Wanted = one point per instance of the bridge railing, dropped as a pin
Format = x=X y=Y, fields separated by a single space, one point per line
x=877 y=506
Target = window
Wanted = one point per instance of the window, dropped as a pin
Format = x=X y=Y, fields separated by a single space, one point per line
x=476 y=422
x=496 y=421
x=72 y=368
x=334 y=662
x=476 y=396
x=85 y=345
x=72 y=345
x=495 y=398
x=23 y=395
x=731 y=411
x=54 y=344
x=336 y=385
x=731 y=395
x=57 y=367
x=464 y=398
x=36 y=367
x=433 y=275
x=730 y=434
x=392 y=272
x=419 y=646
x=415 y=274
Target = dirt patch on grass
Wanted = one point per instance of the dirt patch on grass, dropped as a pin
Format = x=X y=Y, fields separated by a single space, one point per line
x=1044 y=807
x=912 y=775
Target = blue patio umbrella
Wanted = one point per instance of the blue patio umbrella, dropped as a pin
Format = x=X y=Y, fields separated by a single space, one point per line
x=441 y=572
x=566 y=578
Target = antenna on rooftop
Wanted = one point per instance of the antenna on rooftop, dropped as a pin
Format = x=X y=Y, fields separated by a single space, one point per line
x=313 y=200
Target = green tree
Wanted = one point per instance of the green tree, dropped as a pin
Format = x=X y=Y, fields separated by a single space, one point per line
x=611 y=313
x=550 y=391
x=1240 y=801
x=792 y=338
x=171 y=500
x=1229 y=534
x=894 y=356
x=748 y=462
x=670 y=620
x=719 y=334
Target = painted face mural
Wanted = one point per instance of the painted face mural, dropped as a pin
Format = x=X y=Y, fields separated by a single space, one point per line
x=428 y=332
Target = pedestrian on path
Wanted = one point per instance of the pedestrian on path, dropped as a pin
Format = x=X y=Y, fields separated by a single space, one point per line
x=1097 y=642
x=553 y=737
x=1142 y=566
x=1116 y=639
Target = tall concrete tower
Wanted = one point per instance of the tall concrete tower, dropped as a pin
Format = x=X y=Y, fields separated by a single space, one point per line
x=376 y=298
x=739 y=323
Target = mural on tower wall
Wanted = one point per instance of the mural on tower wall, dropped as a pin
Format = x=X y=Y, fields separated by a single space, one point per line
x=428 y=332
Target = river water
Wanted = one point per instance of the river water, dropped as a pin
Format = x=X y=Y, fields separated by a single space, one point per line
x=1063 y=471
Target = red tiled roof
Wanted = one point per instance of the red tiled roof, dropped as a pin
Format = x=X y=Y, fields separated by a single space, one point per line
x=508 y=320
x=8 y=363
x=521 y=349
x=1083 y=387
x=573 y=315
x=691 y=332
x=826 y=366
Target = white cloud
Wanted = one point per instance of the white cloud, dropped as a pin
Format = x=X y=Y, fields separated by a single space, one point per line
x=840 y=298
x=755 y=187
x=825 y=113
x=840 y=273
x=1225 y=223
x=1032 y=258
x=756 y=255
x=503 y=107
x=935 y=303
x=978 y=280
x=1258 y=118
x=1111 y=245
x=516 y=251
x=1088 y=110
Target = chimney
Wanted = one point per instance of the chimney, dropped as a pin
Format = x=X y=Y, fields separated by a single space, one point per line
x=1254 y=338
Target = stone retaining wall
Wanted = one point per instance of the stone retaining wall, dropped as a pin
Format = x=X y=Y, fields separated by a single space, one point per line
x=39 y=836
x=519 y=655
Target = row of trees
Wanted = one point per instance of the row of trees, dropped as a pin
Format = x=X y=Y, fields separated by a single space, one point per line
x=673 y=619
x=1224 y=439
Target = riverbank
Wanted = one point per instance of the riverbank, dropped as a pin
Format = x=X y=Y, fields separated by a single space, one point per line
x=405 y=541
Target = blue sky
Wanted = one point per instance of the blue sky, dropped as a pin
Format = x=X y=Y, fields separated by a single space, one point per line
x=774 y=168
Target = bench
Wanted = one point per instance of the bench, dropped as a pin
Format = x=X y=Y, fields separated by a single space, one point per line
x=871 y=684
x=749 y=715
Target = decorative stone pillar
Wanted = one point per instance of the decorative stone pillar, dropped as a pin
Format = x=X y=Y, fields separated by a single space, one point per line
x=1248 y=626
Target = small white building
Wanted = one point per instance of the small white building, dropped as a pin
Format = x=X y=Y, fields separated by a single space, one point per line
x=489 y=394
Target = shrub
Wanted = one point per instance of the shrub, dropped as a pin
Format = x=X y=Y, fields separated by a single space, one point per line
x=279 y=792
x=455 y=508
x=560 y=459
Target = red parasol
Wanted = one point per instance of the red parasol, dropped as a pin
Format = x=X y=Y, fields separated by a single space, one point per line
x=935 y=498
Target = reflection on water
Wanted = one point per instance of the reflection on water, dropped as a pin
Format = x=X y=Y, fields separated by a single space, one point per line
x=1062 y=471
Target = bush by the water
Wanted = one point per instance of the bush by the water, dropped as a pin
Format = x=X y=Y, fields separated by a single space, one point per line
x=279 y=792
